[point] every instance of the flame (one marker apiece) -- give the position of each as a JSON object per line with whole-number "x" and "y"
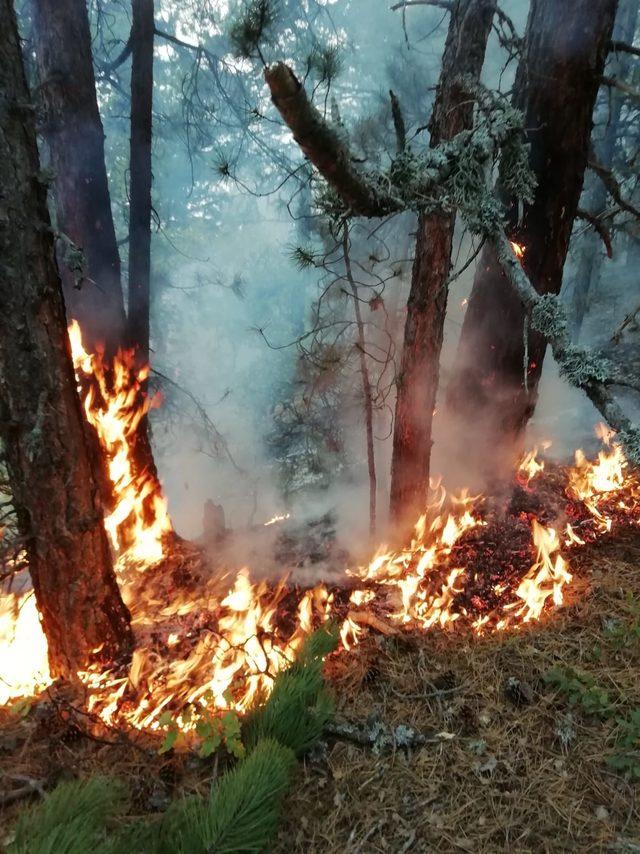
{"x": 221, "y": 645}
{"x": 115, "y": 406}
{"x": 24, "y": 666}
{"x": 530, "y": 466}
{"x": 518, "y": 249}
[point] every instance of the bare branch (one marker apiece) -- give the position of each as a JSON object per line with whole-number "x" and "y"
{"x": 440, "y": 4}
{"x": 623, "y": 47}
{"x": 613, "y": 188}
{"x": 599, "y": 227}
{"x": 615, "y": 83}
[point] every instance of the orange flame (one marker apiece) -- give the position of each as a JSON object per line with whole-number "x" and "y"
{"x": 248, "y": 632}
{"x": 115, "y": 407}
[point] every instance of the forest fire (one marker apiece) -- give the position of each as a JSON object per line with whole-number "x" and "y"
{"x": 220, "y": 646}
{"x": 114, "y": 406}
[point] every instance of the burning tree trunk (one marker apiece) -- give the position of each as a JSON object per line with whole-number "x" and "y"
{"x": 499, "y": 362}
{"x": 591, "y": 256}
{"x": 42, "y": 425}
{"x": 418, "y": 381}
{"x": 73, "y": 131}
{"x": 140, "y": 167}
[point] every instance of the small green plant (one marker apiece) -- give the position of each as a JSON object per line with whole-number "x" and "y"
{"x": 581, "y": 690}
{"x": 627, "y": 755}
{"x": 210, "y": 729}
{"x": 625, "y": 634}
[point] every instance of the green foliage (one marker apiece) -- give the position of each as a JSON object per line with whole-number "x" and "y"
{"x": 581, "y": 690}
{"x": 250, "y": 26}
{"x": 627, "y": 755}
{"x": 303, "y": 257}
{"x": 325, "y": 62}
{"x": 241, "y": 813}
{"x": 71, "y": 820}
{"x": 211, "y": 729}
{"x": 299, "y": 705}
{"x": 625, "y": 634}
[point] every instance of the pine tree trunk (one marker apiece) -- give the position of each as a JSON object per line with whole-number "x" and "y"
{"x": 75, "y": 137}
{"x": 43, "y": 429}
{"x": 417, "y": 383}
{"x": 591, "y": 257}
{"x": 140, "y": 171}
{"x": 556, "y": 87}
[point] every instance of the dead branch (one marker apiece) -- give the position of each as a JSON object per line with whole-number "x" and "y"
{"x": 324, "y": 146}
{"x": 615, "y": 46}
{"x": 440, "y": 4}
{"x": 629, "y": 319}
{"x": 380, "y": 737}
{"x": 366, "y": 618}
{"x": 585, "y": 369}
{"x": 613, "y": 188}
{"x": 599, "y": 227}
{"x": 623, "y": 87}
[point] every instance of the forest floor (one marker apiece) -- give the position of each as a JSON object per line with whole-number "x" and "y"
{"x": 526, "y": 724}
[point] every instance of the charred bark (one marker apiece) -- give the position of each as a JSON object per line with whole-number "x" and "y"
{"x": 556, "y": 86}
{"x": 142, "y": 31}
{"x": 53, "y": 484}
{"x": 73, "y": 132}
{"x": 417, "y": 385}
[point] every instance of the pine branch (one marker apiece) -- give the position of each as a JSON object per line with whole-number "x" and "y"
{"x": 623, "y": 47}
{"x": 323, "y": 145}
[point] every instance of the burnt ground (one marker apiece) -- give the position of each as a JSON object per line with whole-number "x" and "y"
{"x": 516, "y": 766}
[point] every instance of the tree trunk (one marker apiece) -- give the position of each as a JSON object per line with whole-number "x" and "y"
{"x": 73, "y": 131}
{"x": 591, "y": 256}
{"x": 140, "y": 171}
{"x": 495, "y": 380}
{"x": 43, "y": 429}
{"x": 418, "y": 380}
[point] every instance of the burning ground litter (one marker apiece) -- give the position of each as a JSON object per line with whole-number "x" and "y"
{"x": 479, "y": 573}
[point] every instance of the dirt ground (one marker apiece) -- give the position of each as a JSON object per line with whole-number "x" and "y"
{"x": 512, "y": 765}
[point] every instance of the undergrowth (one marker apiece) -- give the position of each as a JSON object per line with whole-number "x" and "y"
{"x": 242, "y": 811}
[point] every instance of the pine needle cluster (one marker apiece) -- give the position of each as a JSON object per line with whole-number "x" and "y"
{"x": 243, "y": 808}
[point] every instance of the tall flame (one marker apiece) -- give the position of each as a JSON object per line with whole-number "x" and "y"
{"x": 114, "y": 406}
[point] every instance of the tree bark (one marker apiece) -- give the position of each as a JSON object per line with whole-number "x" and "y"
{"x": 73, "y": 131}
{"x": 556, "y": 86}
{"x": 591, "y": 257}
{"x": 417, "y": 385}
{"x": 43, "y": 429}
{"x": 140, "y": 182}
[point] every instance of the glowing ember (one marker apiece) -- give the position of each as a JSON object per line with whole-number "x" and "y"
{"x": 518, "y": 249}
{"x": 279, "y": 518}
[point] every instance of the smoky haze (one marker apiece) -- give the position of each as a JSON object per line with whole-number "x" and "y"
{"x": 233, "y": 360}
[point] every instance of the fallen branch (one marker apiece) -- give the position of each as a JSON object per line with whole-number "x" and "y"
{"x": 382, "y": 738}
{"x": 365, "y": 618}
